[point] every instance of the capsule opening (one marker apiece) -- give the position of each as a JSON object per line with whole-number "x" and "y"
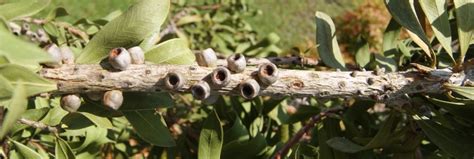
{"x": 248, "y": 91}
{"x": 198, "y": 92}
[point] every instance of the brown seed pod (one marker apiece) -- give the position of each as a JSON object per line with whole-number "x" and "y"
{"x": 113, "y": 99}
{"x": 249, "y": 89}
{"x": 236, "y": 63}
{"x": 174, "y": 81}
{"x": 137, "y": 55}
{"x": 207, "y": 58}
{"x": 267, "y": 73}
{"x": 220, "y": 76}
{"x": 71, "y": 103}
{"x": 120, "y": 58}
{"x": 201, "y": 90}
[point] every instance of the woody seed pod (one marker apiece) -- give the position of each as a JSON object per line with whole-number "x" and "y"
{"x": 120, "y": 58}
{"x": 67, "y": 55}
{"x": 249, "y": 89}
{"x": 267, "y": 73}
{"x": 220, "y": 76}
{"x": 137, "y": 55}
{"x": 207, "y": 58}
{"x": 174, "y": 81}
{"x": 113, "y": 99}
{"x": 71, "y": 103}
{"x": 236, "y": 63}
{"x": 55, "y": 53}
{"x": 201, "y": 90}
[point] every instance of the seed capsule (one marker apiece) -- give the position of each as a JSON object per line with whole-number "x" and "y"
{"x": 207, "y": 58}
{"x": 236, "y": 63}
{"x": 220, "y": 76}
{"x": 120, "y": 58}
{"x": 67, "y": 55}
{"x": 55, "y": 52}
{"x": 267, "y": 73}
{"x": 113, "y": 99}
{"x": 137, "y": 55}
{"x": 201, "y": 90}
{"x": 174, "y": 81}
{"x": 249, "y": 89}
{"x": 71, "y": 103}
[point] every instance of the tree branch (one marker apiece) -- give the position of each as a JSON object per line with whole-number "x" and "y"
{"x": 39, "y": 125}
{"x": 307, "y": 127}
{"x": 299, "y": 83}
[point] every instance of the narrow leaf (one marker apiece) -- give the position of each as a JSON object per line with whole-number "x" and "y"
{"x": 99, "y": 121}
{"x": 20, "y": 52}
{"x": 25, "y": 151}
{"x": 450, "y": 141}
{"x": 174, "y": 51}
{"x": 15, "y": 108}
{"x": 33, "y": 83}
{"x": 129, "y": 29}
{"x": 63, "y": 150}
{"x": 148, "y": 125}
{"x": 326, "y": 39}
{"x": 465, "y": 19}
{"x": 390, "y": 37}
{"x": 402, "y": 11}
{"x": 465, "y": 111}
{"x": 211, "y": 138}
{"x": 20, "y": 9}
{"x": 435, "y": 11}
{"x": 6, "y": 89}
{"x": 467, "y": 92}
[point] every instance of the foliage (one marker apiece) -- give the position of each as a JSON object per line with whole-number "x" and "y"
{"x": 159, "y": 125}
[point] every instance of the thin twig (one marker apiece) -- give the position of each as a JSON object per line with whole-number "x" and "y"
{"x": 297, "y": 137}
{"x": 39, "y": 125}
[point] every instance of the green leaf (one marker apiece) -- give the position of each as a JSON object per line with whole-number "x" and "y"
{"x": 33, "y": 83}
{"x": 328, "y": 48}
{"x": 25, "y": 151}
{"x": 63, "y": 150}
{"x": 6, "y": 89}
{"x": 20, "y": 9}
{"x": 99, "y": 121}
{"x": 467, "y": 92}
{"x": 244, "y": 148}
{"x": 150, "y": 101}
{"x": 128, "y": 30}
{"x": 58, "y": 12}
{"x": 173, "y": 51}
{"x": 385, "y": 62}
{"x": 238, "y": 131}
{"x": 437, "y": 15}
{"x": 344, "y": 145}
{"x": 211, "y": 138}
{"x": 465, "y": 111}
{"x": 20, "y": 52}
{"x": 390, "y": 37}
{"x": 363, "y": 55}
{"x": 16, "y": 107}
{"x": 402, "y": 12}
{"x": 453, "y": 142}
{"x": 465, "y": 19}
{"x": 148, "y": 125}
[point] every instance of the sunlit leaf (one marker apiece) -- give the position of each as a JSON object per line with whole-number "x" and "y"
{"x": 56, "y": 13}
{"x": 33, "y": 83}
{"x": 99, "y": 121}
{"x": 403, "y": 12}
{"x": 128, "y": 30}
{"x": 25, "y": 151}
{"x": 150, "y": 127}
{"x": 390, "y": 37}
{"x": 328, "y": 48}
{"x": 467, "y": 92}
{"x": 6, "y": 89}
{"x": 465, "y": 20}
{"x": 174, "y": 51}
{"x": 20, "y": 52}
{"x": 363, "y": 55}
{"x": 211, "y": 138}
{"x": 63, "y": 150}
{"x": 435, "y": 11}
{"x": 23, "y": 8}
{"x": 16, "y": 107}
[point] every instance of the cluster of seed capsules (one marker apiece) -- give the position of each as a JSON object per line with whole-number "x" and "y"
{"x": 121, "y": 58}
